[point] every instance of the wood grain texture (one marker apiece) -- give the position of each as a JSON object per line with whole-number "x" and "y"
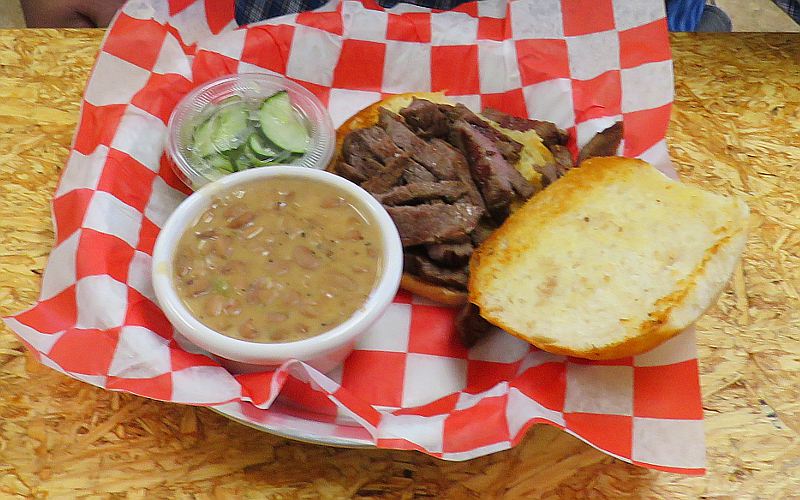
{"x": 735, "y": 129}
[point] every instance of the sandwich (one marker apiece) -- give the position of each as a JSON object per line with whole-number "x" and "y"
{"x": 600, "y": 258}
{"x": 448, "y": 177}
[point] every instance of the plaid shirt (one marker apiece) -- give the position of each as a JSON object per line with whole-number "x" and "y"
{"x": 684, "y": 15}
{"x": 791, "y": 7}
{"x": 250, "y": 11}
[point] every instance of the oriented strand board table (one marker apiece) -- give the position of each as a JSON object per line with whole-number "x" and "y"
{"x": 735, "y": 129}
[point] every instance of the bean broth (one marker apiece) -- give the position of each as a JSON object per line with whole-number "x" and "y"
{"x": 278, "y": 260}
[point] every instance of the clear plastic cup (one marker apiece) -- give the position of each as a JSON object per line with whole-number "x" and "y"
{"x": 252, "y": 89}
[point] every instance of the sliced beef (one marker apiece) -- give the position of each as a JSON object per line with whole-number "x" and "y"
{"x": 426, "y": 154}
{"x": 552, "y": 171}
{"x": 495, "y": 177}
{"x": 350, "y": 172}
{"x": 355, "y": 149}
{"x": 460, "y": 112}
{"x": 507, "y": 146}
{"x": 371, "y": 142}
{"x": 365, "y": 164}
{"x": 421, "y": 266}
{"x": 470, "y": 326}
{"x": 604, "y": 143}
{"x": 482, "y": 231}
{"x": 450, "y": 254}
{"x": 434, "y": 223}
{"x": 414, "y": 172}
{"x": 386, "y": 175}
{"x": 458, "y": 163}
{"x": 563, "y": 158}
{"x": 421, "y": 192}
{"x": 425, "y": 118}
{"x": 549, "y": 133}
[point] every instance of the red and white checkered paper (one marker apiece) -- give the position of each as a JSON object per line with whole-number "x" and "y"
{"x": 409, "y": 384}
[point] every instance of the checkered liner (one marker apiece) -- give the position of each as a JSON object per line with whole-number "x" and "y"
{"x": 408, "y": 384}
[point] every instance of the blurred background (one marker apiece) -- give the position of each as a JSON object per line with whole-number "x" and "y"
{"x": 745, "y": 15}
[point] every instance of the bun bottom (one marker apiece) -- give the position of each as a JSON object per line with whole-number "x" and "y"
{"x": 436, "y": 293}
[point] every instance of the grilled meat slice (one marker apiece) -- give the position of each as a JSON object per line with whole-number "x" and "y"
{"x": 435, "y": 222}
{"x": 604, "y": 143}
{"x": 421, "y": 192}
{"x": 421, "y": 266}
{"x": 425, "y": 119}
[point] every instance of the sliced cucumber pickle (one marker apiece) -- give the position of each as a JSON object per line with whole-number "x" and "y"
{"x": 260, "y": 148}
{"x": 237, "y": 135}
{"x": 203, "y": 137}
{"x": 220, "y": 162}
{"x": 232, "y": 128}
{"x": 281, "y": 125}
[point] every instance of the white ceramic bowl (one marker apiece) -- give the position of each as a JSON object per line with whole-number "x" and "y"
{"x": 324, "y": 351}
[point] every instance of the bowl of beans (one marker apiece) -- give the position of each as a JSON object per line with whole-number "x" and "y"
{"x": 268, "y": 265}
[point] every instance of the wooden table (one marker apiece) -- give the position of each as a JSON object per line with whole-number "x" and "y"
{"x": 735, "y": 129}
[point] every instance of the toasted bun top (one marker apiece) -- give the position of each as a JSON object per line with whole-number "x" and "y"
{"x": 609, "y": 261}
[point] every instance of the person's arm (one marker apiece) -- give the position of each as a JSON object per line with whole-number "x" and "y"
{"x": 69, "y": 13}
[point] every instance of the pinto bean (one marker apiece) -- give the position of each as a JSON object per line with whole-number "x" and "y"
{"x": 260, "y": 283}
{"x": 183, "y": 265}
{"x": 215, "y": 305}
{"x": 292, "y": 298}
{"x": 207, "y": 216}
{"x": 305, "y": 257}
{"x": 242, "y": 219}
{"x": 223, "y": 246}
{"x": 184, "y": 270}
{"x": 276, "y": 317}
{"x": 332, "y": 202}
{"x": 206, "y": 235}
{"x": 252, "y": 231}
{"x": 309, "y": 312}
{"x": 232, "y": 267}
{"x": 198, "y": 268}
{"x": 240, "y": 283}
{"x": 353, "y": 234}
{"x": 233, "y": 308}
{"x": 199, "y": 286}
{"x": 278, "y": 267}
{"x": 342, "y": 281}
{"x": 267, "y": 297}
{"x": 248, "y": 329}
{"x": 203, "y": 247}
{"x": 233, "y": 211}
{"x": 279, "y": 335}
{"x": 287, "y": 196}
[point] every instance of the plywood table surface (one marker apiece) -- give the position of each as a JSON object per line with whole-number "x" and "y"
{"x": 735, "y": 129}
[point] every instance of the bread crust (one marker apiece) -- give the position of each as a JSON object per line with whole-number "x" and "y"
{"x": 670, "y": 315}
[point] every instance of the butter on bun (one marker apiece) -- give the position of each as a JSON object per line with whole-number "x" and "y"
{"x": 609, "y": 261}
{"x": 530, "y": 156}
